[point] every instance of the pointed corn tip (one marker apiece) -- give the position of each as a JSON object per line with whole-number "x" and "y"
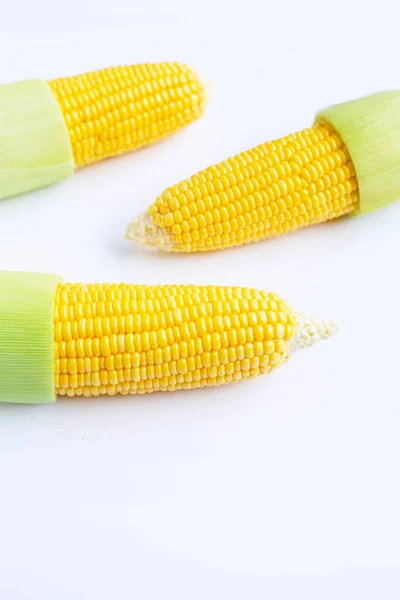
{"x": 309, "y": 331}
{"x": 143, "y": 232}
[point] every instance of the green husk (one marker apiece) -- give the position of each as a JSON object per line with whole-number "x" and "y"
{"x": 27, "y": 337}
{"x": 35, "y": 150}
{"x": 370, "y": 129}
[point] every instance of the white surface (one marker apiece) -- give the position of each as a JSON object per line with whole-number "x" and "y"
{"x": 283, "y": 488}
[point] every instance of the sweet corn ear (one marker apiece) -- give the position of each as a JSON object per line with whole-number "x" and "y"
{"x": 348, "y": 163}
{"x": 300, "y": 180}
{"x": 130, "y": 339}
{"x": 87, "y": 340}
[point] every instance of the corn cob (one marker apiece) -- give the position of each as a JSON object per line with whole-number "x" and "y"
{"x": 127, "y": 339}
{"x": 347, "y": 163}
{"x": 52, "y": 128}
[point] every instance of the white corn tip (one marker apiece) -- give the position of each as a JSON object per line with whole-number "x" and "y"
{"x": 143, "y": 232}
{"x": 309, "y": 331}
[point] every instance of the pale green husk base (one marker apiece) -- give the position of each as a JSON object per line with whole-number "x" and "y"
{"x": 370, "y": 129}
{"x": 27, "y": 337}
{"x": 35, "y": 150}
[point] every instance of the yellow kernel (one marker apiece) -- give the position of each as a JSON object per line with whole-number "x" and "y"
{"x": 129, "y": 342}
{"x": 105, "y": 346}
{"x": 71, "y": 352}
{"x": 248, "y": 350}
{"x": 66, "y": 331}
{"x": 72, "y": 366}
{"x": 269, "y": 332}
{"x": 269, "y": 347}
{"x": 109, "y": 363}
{"x": 275, "y": 358}
{"x": 280, "y": 345}
{"x": 245, "y": 364}
{"x": 182, "y": 366}
{"x": 280, "y": 331}
{"x": 215, "y": 341}
{"x": 206, "y": 341}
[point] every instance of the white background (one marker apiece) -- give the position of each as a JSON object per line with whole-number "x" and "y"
{"x": 286, "y": 487}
